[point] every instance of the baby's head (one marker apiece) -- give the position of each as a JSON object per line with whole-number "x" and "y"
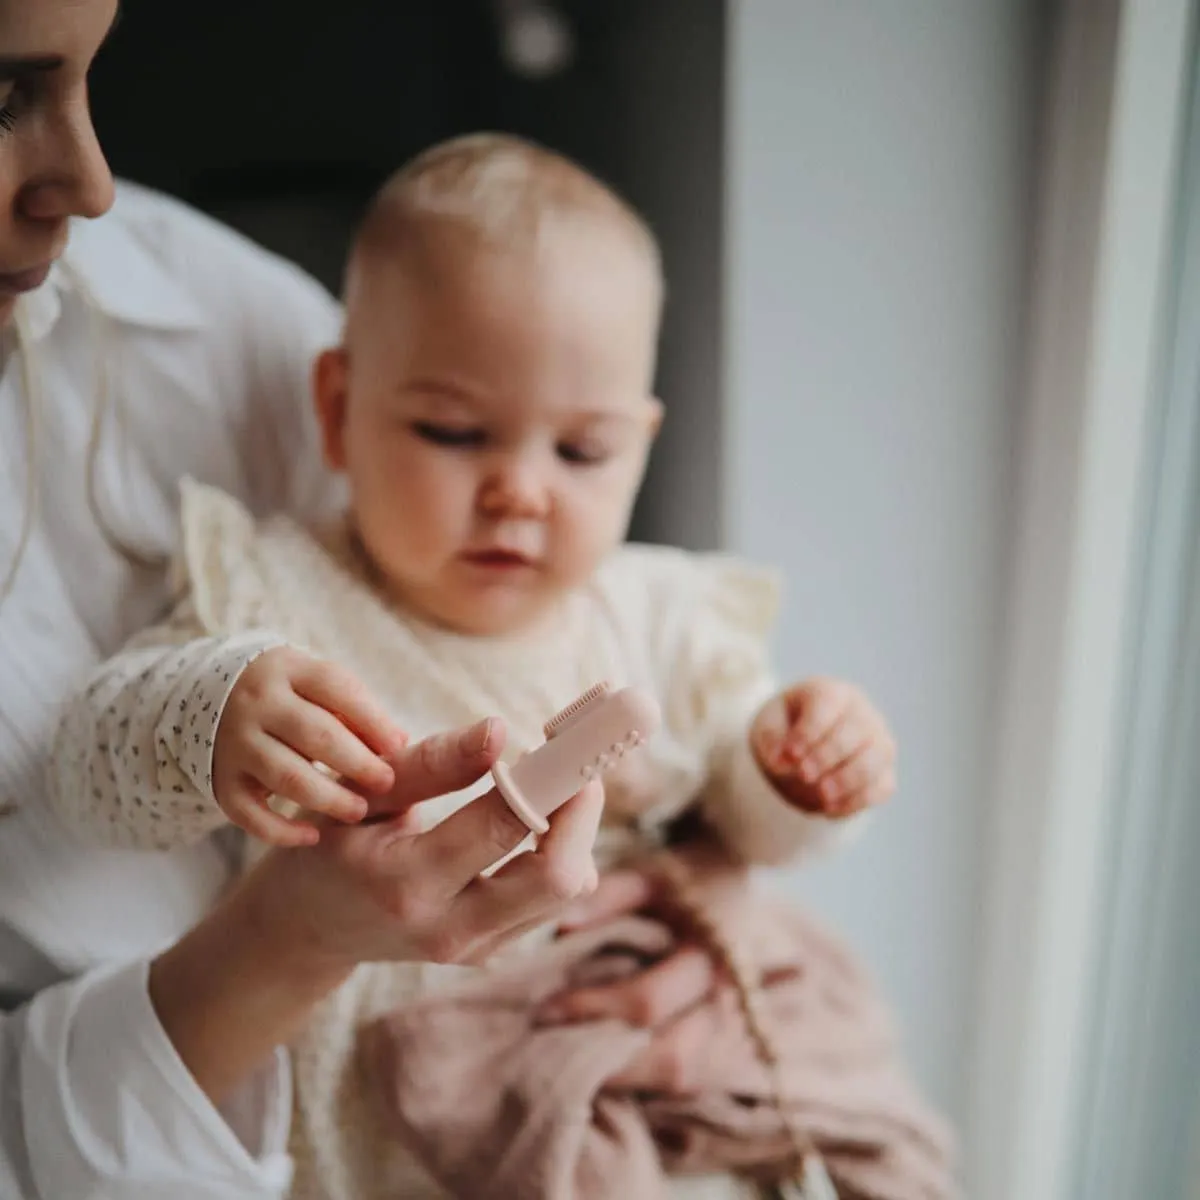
{"x": 491, "y": 402}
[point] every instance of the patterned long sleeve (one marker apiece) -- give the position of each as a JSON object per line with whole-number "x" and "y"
{"x": 132, "y": 760}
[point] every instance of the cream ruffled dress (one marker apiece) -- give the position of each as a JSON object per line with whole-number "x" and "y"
{"x": 690, "y": 628}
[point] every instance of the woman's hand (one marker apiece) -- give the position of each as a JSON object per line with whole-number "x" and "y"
{"x": 385, "y": 890}
{"x": 245, "y": 980}
{"x": 685, "y": 998}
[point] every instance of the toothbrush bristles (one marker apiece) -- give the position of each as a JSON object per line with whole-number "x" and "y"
{"x": 561, "y": 717}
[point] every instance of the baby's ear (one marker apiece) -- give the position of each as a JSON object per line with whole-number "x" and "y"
{"x": 330, "y": 385}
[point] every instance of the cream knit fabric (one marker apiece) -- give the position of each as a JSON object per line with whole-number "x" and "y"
{"x": 690, "y": 628}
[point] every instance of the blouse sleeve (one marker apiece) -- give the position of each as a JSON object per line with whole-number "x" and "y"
{"x": 66, "y": 1133}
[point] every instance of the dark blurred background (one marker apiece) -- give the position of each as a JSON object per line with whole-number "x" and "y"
{"x": 280, "y": 117}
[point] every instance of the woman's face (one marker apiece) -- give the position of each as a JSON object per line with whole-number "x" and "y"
{"x": 51, "y": 166}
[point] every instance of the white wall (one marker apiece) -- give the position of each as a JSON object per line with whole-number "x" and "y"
{"x": 879, "y": 161}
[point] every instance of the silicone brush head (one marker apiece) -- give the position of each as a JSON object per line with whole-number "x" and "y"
{"x": 584, "y": 740}
{"x": 576, "y": 708}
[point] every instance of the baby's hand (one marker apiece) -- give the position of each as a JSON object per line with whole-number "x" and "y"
{"x": 286, "y": 713}
{"x": 825, "y": 748}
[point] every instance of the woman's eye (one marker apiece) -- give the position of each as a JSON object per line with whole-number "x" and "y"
{"x": 449, "y": 435}
{"x": 581, "y": 454}
{"x": 8, "y": 106}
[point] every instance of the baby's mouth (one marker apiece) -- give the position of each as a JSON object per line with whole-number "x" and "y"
{"x": 498, "y": 558}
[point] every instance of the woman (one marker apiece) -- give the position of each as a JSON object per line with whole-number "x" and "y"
{"x": 153, "y": 345}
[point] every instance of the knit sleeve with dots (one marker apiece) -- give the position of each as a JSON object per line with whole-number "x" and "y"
{"x": 132, "y": 760}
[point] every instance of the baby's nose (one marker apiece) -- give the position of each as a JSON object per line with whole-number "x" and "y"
{"x": 515, "y": 489}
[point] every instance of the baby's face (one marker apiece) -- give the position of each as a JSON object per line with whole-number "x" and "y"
{"x": 494, "y": 417}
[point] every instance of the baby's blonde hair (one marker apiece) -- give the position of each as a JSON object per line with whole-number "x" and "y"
{"x": 507, "y": 192}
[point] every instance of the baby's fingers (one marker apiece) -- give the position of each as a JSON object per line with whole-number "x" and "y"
{"x": 855, "y": 773}
{"x": 339, "y": 692}
{"x": 317, "y": 735}
{"x": 814, "y": 710}
{"x": 864, "y": 778}
{"x": 287, "y": 774}
{"x": 248, "y": 810}
{"x": 835, "y": 746}
{"x": 879, "y": 791}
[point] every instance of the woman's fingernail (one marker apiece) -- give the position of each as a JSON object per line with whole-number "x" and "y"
{"x": 475, "y": 740}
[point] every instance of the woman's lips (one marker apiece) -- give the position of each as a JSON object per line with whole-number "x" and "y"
{"x": 16, "y": 282}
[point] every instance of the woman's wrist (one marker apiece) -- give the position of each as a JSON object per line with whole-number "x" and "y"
{"x": 236, "y": 987}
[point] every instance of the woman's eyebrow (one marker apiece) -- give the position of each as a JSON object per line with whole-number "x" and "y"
{"x": 19, "y": 65}
{"x": 35, "y": 64}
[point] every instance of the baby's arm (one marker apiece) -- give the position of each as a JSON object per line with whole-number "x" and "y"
{"x": 132, "y": 761}
{"x": 796, "y": 779}
{"x": 182, "y": 732}
{"x": 772, "y": 755}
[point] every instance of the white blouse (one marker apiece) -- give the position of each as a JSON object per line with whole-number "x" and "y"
{"x": 196, "y": 347}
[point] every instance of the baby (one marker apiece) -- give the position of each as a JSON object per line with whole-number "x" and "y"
{"x": 491, "y": 408}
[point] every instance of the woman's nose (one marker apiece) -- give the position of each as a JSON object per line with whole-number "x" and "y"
{"x": 74, "y": 179}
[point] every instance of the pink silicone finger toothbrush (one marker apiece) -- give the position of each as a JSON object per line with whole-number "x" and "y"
{"x": 582, "y": 742}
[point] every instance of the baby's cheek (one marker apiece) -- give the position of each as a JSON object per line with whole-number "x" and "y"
{"x": 441, "y": 530}
{"x": 578, "y": 543}
{"x": 588, "y": 527}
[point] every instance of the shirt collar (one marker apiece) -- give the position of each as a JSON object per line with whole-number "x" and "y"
{"x": 107, "y": 264}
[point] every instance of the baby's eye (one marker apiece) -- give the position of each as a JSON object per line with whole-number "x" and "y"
{"x": 449, "y": 435}
{"x": 582, "y": 454}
